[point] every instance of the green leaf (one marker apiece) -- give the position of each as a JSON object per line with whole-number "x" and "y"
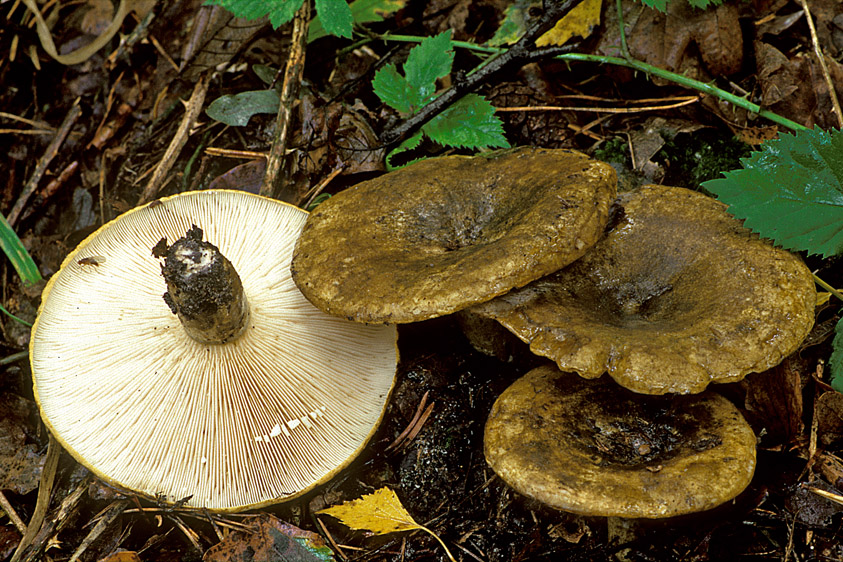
{"x": 514, "y": 23}
{"x": 791, "y": 191}
{"x": 238, "y": 109}
{"x": 279, "y": 11}
{"x": 335, "y": 16}
{"x": 362, "y": 11}
{"x": 429, "y": 60}
{"x": 266, "y": 73}
{"x": 471, "y": 122}
{"x": 393, "y": 89}
{"x": 703, "y": 4}
{"x": 835, "y": 362}
{"x": 17, "y": 254}
{"x": 660, "y": 5}
{"x": 408, "y": 144}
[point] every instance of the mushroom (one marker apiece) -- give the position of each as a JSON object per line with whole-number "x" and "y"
{"x": 445, "y": 233}
{"x": 677, "y": 295}
{"x": 591, "y": 448}
{"x": 259, "y": 406}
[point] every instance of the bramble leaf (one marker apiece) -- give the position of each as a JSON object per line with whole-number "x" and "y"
{"x": 791, "y": 191}
{"x": 429, "y": 60}
{"x": 362, "y": 11}
{"x": 407, "y": 144}
{"x": 661, "y": 5}
{"x": 335, "y": 16}
{"x": 279, "y": 11}
{"x": 470, "y": 123}
{"x": 393, "y": 89}
{"x": 835, "y": 362}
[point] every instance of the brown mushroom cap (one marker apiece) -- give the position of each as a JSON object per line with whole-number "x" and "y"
{"x": 259, "y": 419}
{"x": 676, "y": 296}
{"x": 445, "y": 233}
{"x": 589, "y": 447}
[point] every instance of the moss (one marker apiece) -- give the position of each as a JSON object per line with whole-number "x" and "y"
{"x": 692, "y": 158}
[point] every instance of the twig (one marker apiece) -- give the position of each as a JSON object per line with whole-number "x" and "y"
{"x": 192, "y": 112}
{"x": 521, "y": 52}
{"x": 331, "y": 539}
{"x": 314, "y": 192}
{"x": 113, "y": 511}
{"x": 13, "y": 515}
{"x": 821, "y": 58}
{"x": 278, "y": 157}
{"x": 52, "y": 149}
{"x": 42, "y": 504}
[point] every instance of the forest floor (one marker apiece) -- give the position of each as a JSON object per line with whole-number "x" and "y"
{"x": 84, "y": 142}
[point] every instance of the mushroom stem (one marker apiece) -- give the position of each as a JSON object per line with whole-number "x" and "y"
{"x": 203, "y": 289}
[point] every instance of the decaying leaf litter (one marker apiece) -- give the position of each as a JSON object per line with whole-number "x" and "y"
{"x": 114, "y": 117}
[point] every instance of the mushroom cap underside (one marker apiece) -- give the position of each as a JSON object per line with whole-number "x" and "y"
{"x": 677, "y": 295}
{"x": 589, "y": 447}
{"x": 445, "y": 233}
{"x": 251, "y": 422}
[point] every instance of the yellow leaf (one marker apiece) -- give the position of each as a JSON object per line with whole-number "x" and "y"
{"x": 379, "y": 513}
{"x": 579, "y": 21}
{"x": 822, "y": 297}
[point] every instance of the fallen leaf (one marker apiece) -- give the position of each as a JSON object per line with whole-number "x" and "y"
{"x": 579, "y": 22}
{"x": 270, "y": 540}
{"x": 379, "y": 513}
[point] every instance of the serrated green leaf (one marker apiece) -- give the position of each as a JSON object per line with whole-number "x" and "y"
{"x": 471, "y": 123}
{"x": 408, "y": 144}
{"x": 238, "y": 109}
{"x": 362, "y": 11}
{"x": 835, "y": 362}
{"x": 703, "y": 4}
{"x": 335, "y": 16}
{"x": 279, "y": 11}
{"x": 791, "y": 191}
{"x": 429, "y": 60}
{"x": 660, "y": 5}
{"x": 393, "y": 89}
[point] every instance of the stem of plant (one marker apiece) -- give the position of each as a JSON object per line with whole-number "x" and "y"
{"x": 827, "y": 287}
{"x": 629, "y": 62}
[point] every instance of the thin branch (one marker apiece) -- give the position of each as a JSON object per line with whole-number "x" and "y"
{"x": 521, "y": 52}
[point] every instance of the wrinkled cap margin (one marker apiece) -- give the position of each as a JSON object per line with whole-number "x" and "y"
{"x": 591, "y": 448}
{"x": 445, "y": 233}
{"x": 677, "y": 295}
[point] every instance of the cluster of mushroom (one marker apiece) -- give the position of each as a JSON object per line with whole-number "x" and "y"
{"x": 235, "y": 405}
{"x": 666, "y": 293}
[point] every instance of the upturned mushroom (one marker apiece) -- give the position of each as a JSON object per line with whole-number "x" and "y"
{"x": 446, "y": 233}
{"x": 248, "y": 397}
{"x": 677, "y": 295}
{"x": 591, "y": 448}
